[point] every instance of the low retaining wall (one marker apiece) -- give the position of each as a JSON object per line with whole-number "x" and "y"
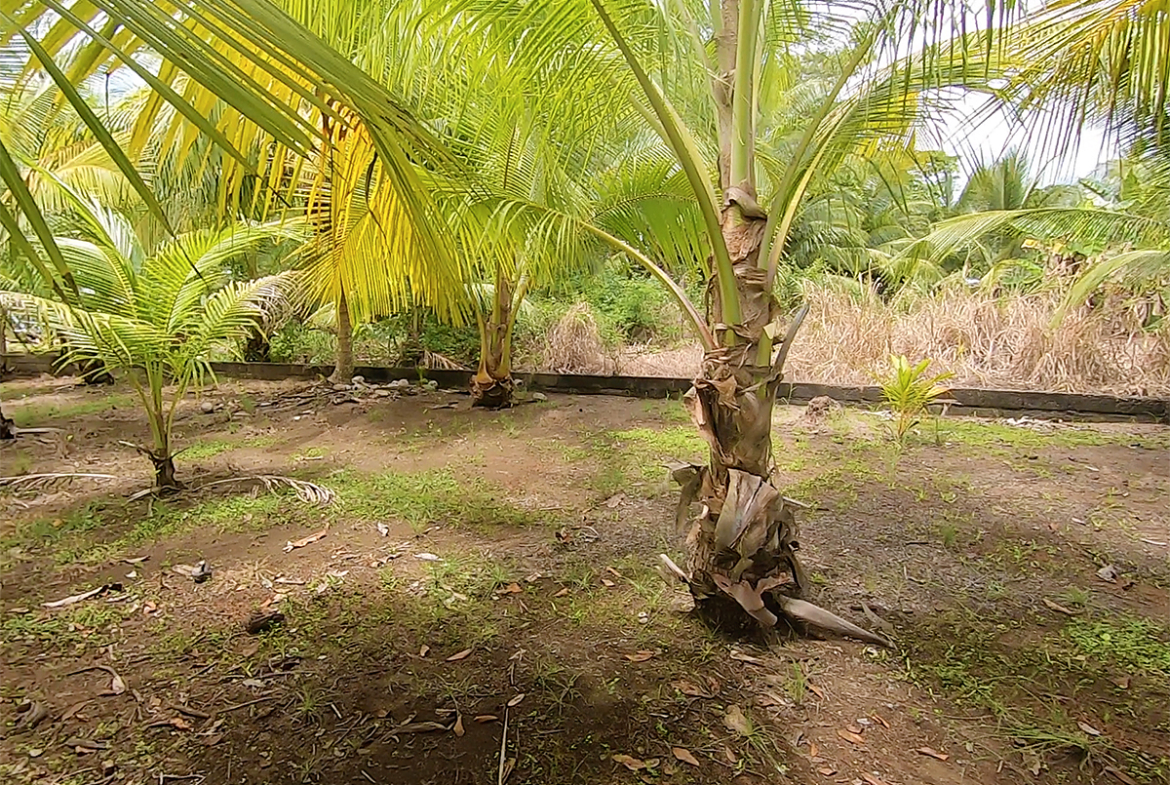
{"x": 969, "y": 401}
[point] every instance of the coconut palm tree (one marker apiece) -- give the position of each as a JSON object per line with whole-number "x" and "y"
{"x": 153, "y": 317}
{"x": 699, "y": 74}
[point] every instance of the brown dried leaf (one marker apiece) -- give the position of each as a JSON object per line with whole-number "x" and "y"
{"x": 1122, "y": 682}
{"x": 418, "y": 727}
{"x": 607, "y": 583}
{"x": 302, "y": 542}
{"x": 1121, "y": 775}
{"x": 684, "y": 755}
{"x": 462, "y": 655}
{"x": 117, "y": 685}
{"x": 640, "y": 656}
{"x": 512, "y": 588}
{"x": 813, "y": 750}
{"x": 930, "y": 753}
{"x": 212, "y": 740}
{"x": 1058, "y": 608}
{"x": 562, "y": 593}
{"x": 687, "y": 688}
{"x": 853, "y": 727}
{"x": 516, "y": 700}
{"x": 737, "y": 721}
{"x": 424, "y": 651}
{"x": 827, "y": 771}
{"x": 880, "y": 721}
{"x": 815, "y": 690}
{"x": 72, "y": 710}
{"x": 727, "y": 753}
{"x": 178, "y": 723}
{"x": 739, "y": 655}
{"x": 614, "y": 572}
{"x": 458, "y": 726}
{"x": 486, "y": 718}
{"x": 631, "y": 763}
{"x": 850, "y": 736}
{"x": 1089, "y": 729}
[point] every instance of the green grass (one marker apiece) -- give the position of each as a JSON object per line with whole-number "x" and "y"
{"x": 1130, "y": 644}
{"x": 46, "y": 413}
{"x": 200, "y": 451}
{"x": 983, "y": 433}
{"x": 424, "y": 498}
{"x": 60, "y": 628}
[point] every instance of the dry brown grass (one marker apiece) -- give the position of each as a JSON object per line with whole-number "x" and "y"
{"x": 574, "y": 344}
{"x": 986, "y": 341}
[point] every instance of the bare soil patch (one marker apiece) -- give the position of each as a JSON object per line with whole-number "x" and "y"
{"x": 474, "y": 560}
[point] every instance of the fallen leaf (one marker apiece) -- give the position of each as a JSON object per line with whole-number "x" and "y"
{"x": 486, "y": 718}
{"x": 117, "y": 685}
{"x": 813, "y": 750}
{"x": 615, "y": 500}
{"x": 178, "y": 723}
{"x": 76, "y": 707}
{"x": 512, "y": 588}
{"x": 827, "y": 771}
{"x": 607, "y": 583}
{"x": 878, "y": 719}
{"x": 1122, "y": 682}
{"x": 614, "y": 572}
{"x": 302, "y": 542}
{"x": 509, "y": 765}
{"x": 631, "y": 763}
{"x": 1121, "y": 775}
{"x": 851, "y": 737}
{"x": 930, "y": 753}
{"x": 873, "y": 780}
{"x": 687, "y": 688}
{"x": 562, "y": 592}
{"x": 684, "y": 755}
{"x": 458, "y": 726}
{"x": 1108, "y": 573}
{"x": 641, "y": 656}
{"x": 76, "y": 598}
{"x": 212, "y": 740}
{"x": 736, "y": 720}
{"x": 251, "y": 649}
{"x": 727, "y": 753}
{"x": 1058, "y": 608}
{"x": 854, "y": 728}
{"x": 516, "y": 700}
{"x": 424, "y": 651}
{"x": 1089, "y": 729}
{"x": 739, "y": 655}
{"x": 462, "y": 655}
{"x": 815, "y": 690}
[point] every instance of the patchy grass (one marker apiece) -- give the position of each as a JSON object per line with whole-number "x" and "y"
{"x": 427, "y": 497}
{"x": 202, "y": 450}
{"x": 44, "y": 413}
{"x": 1128, "y": 644}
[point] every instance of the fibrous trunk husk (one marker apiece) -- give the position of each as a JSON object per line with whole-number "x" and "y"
{"x": 743, "y": 544}
{"x": 490, "y": 392}
{"x": 164, "y": 471}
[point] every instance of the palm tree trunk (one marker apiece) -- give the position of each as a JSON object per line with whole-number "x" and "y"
{"x": 747, "y": 533}
{"x": 164, "y": 471}
{"x": 492, "y": 386}
{"x": 343, "y": 370}
{"x": 7, "y": 427}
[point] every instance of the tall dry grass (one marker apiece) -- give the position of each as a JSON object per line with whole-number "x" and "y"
{"x": 574, "y": 344}
{"x": 986, "y": 341}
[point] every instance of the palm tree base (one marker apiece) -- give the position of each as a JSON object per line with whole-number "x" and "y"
{"x": 7, "y": 427}
{"x": 164, "y": 473}
{"x": 491, "y": 393}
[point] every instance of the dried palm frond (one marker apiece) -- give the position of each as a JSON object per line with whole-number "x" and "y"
{"x": 437, "y": 362}
{"x": 47, "y": 482}
{"x": 306, "y": 491}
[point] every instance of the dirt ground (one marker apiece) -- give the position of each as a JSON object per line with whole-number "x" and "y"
{"x": 484, "y": 605}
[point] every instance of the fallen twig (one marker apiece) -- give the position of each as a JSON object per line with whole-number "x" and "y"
{"x": 85, "y": 595}
{"x": 245, "y": 704}
{"x": 190, "y": 712}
